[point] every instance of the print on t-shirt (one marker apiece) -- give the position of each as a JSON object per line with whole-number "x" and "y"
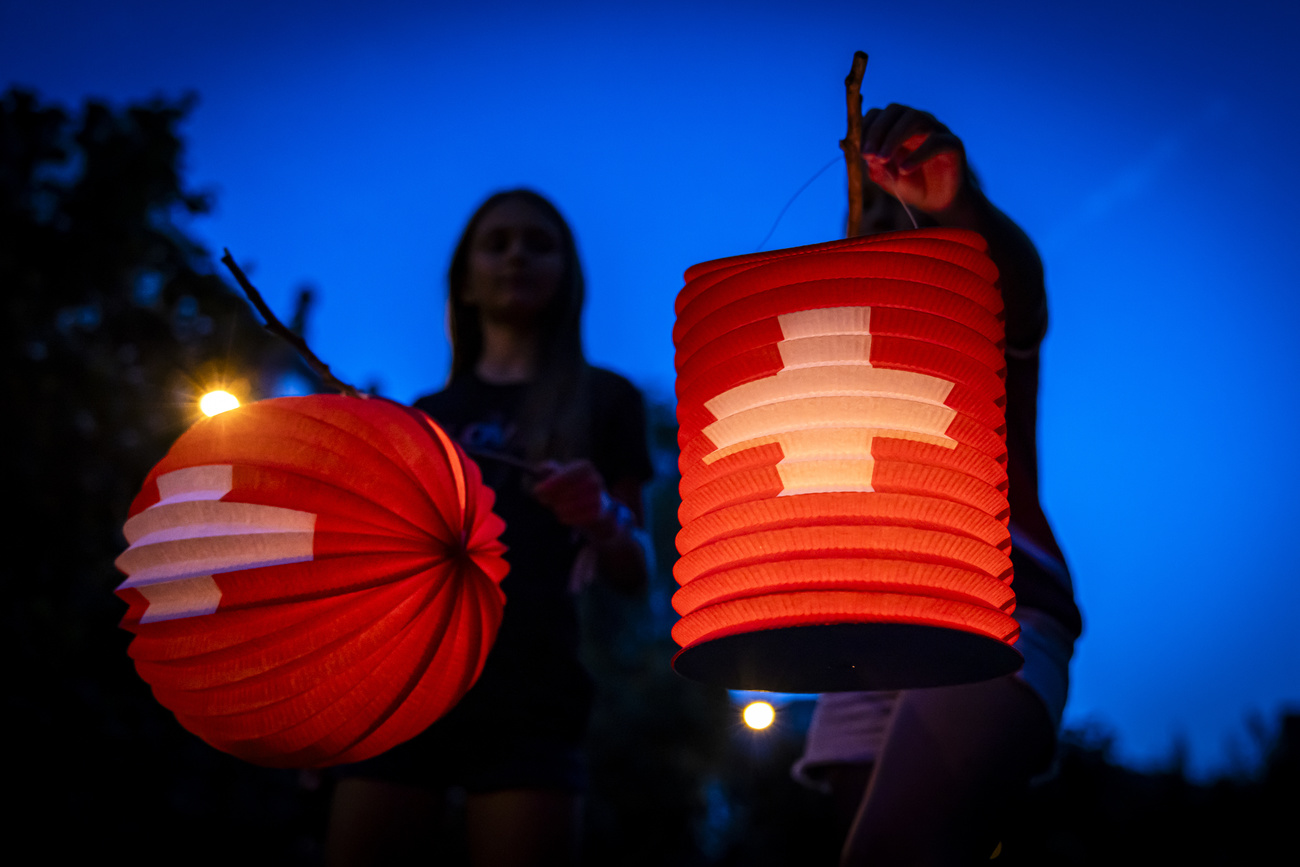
{"x": 492, "y": 435}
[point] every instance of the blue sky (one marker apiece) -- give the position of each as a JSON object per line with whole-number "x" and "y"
{"x": 1143, "y": 145}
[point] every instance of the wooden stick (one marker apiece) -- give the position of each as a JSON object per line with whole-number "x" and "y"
{"x": 852, "y": 144}
{"x": 276, "y": 327}
{"x": 499, "y": 457}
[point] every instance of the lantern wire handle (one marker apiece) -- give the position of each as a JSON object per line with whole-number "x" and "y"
{"x": 851, "y": 144}
{"x": 276, "y": 327}
{"x": 906, "y": 209}
{"x": 501, "y": 458}
{"x": 798, "y": 192}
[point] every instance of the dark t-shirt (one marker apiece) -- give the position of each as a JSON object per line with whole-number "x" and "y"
{"x": 532, "y": 681}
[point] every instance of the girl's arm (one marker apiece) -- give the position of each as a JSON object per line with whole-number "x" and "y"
{"x": 609, "y": 519}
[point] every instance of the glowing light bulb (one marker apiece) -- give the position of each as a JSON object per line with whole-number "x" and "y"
{"x": 215, "y": 402}
{"x": 759, "y": 714}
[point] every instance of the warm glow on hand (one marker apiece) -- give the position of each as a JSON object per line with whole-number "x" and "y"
{"x": 913, "y": 157}
{"x": 574, "y": 491}
{"x": 759, "y": 714}
{"x": 215, "y": 402}
{"x": 931, "y": 186}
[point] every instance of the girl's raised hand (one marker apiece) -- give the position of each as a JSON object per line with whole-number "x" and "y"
{"x": 574, "y": 491}
{"x": 912, "y": 156}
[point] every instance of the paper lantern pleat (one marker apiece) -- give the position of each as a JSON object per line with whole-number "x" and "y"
{"x": 843, "y": 444}
{"x": 742, "y": 326}
{"x": 831, "y": 292}
{"x": 312, "y": 580}
{"x": 843, "y": 457}
{"x": 812, "y": 413}
{"x": 813, "y": 477}
{"x": 707, "y": 407}
{"x": 251, "y": 680}
{"x": 943, "y": 245}
{"x": 364, "y": 717}
{"x": 314, "y": 705}
{"x": 825, "y": 509}
{"x": 831, "y": 350}
{"x": 845, "y": 573}
{"x": 384, "y": 616}
{"x": 844, "y": 540}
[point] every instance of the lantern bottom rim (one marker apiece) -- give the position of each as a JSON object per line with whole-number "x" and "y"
{"x": 843, "y": 657}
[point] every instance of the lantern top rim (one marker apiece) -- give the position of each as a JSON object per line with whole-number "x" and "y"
{"x": 966, "y": 237}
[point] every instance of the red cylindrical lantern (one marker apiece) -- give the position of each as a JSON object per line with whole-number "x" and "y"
{"x": 312, "y": 580}
{"x": 844, "y": 511}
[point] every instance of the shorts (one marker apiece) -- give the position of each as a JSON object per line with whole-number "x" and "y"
{"x": 850, "y": 727}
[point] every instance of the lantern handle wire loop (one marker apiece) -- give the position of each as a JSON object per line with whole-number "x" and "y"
{"x": 906, "y": 209}
{"x": 808, "y": 183}
{"x": 276, "y": 327}
{"x": 502, "y": 458}
{"x": 853, "y": 87}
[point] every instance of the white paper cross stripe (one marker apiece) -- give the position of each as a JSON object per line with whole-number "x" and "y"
{"x": 180, "y": 542}
{"x": 829, "y": 383}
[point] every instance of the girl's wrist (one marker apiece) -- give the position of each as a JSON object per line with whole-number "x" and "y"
{"x": 614, "y": 520}
{"x": 969, "y": 208}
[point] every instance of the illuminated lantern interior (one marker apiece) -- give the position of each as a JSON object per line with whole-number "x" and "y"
{"x": 843, "y": 458}
{"x": 312, "y": 580}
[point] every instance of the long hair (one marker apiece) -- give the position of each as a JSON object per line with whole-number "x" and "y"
{"x": 556, "y": 414}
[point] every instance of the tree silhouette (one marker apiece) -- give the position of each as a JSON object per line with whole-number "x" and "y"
{"x": 114, "y": 322}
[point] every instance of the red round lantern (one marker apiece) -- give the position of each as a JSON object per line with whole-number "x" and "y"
{"x": 312, "y": 580}
{"x": 844, "y": 511}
